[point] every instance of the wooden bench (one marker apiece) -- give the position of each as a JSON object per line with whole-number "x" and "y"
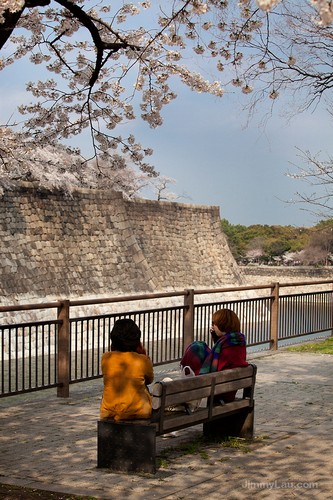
{"x": 130, "y": 446}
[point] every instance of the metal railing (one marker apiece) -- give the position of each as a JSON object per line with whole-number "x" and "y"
{"x": 36, "y": 355}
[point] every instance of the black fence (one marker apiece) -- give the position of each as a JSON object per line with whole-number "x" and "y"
{"x": 42, "y": 354}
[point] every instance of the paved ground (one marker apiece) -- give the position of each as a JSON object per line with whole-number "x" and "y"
{"x": 50, "y": 443}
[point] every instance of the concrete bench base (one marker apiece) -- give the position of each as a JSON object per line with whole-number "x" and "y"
{"x": 126, "y": 446}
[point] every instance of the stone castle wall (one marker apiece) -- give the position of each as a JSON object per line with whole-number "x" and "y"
{"x": 96, "y": 244}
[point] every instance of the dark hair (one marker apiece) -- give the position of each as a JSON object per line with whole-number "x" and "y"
{"x": 125, "y": 335}
{"x": 226, "y": 321}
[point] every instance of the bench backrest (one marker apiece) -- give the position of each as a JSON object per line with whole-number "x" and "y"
{"x": 179, "y": 391}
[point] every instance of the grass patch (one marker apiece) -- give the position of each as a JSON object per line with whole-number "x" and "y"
{"x": 237, "y": 443}
{"x": 321, "y": 347}
{"x": 163, "y": 463}
{"x": 259, "y": 439}
{"x": 200, "y": 445}
{"x": 193, "y": 447}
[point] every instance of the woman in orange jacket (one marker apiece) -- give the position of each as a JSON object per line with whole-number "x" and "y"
{"x": 127, "y": 371}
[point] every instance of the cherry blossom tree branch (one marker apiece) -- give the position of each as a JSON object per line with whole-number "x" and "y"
{"x": 110, "y": 65}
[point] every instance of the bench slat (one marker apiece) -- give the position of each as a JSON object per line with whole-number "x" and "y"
{"x": 176, "y": 421}
{"x": 190, "y": 383}
{"x": 230, "y": 408}
{"x": 200, "y": 393}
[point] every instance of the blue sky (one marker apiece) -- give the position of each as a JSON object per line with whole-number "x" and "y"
{"x": 205, "y": 146}
{"x": 214, "y": 159}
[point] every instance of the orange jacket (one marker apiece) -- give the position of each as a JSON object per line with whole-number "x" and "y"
{"x": 125, "y": 376}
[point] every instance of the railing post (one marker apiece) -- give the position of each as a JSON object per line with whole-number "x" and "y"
{"x": 274, "y": 333}
{"x": 63, "y": 350}
{"x": 332, "y": 316}
{"x": 188, "y": 318}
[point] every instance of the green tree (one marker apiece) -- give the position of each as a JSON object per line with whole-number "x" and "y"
{"x": 261, "y": 243}
{"x": 319, "y": 250}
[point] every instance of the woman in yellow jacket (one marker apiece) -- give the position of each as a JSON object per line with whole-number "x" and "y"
{"x": 127, "y": 371}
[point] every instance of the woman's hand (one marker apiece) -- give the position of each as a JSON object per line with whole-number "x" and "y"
{"x": 214, "y": 336}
